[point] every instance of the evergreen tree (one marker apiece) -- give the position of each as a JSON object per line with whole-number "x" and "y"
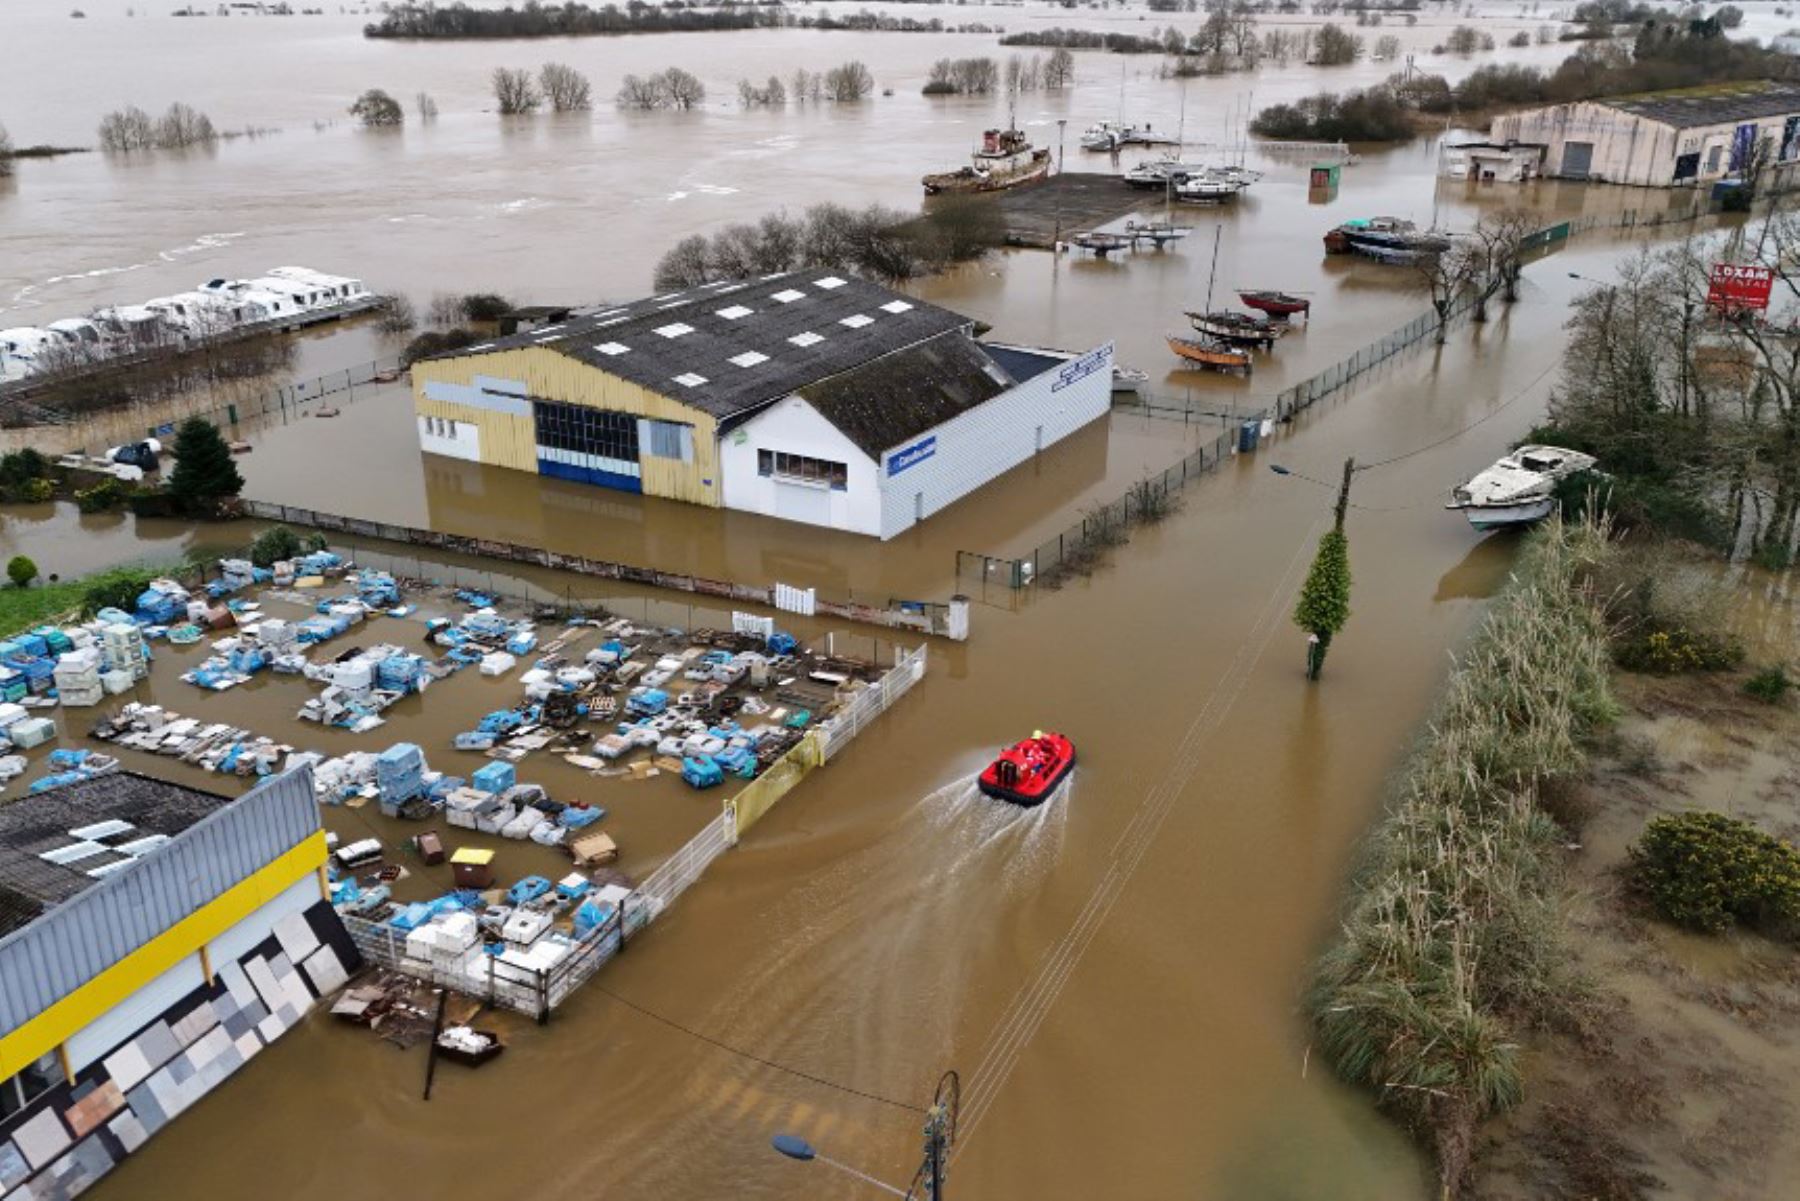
{"x": 1324, "y": 604}
{"x": 204, "y": 471}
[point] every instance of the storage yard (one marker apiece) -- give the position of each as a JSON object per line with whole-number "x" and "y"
{"x": 467, "y": 753}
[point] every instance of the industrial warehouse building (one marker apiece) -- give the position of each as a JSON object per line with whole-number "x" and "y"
{"x": 153, "y": 939}
{"x": 1693, "y": 136}
{"x": 808, "y": 396}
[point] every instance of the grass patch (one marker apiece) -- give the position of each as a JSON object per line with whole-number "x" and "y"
{"x": 25, "y": 608}
{"x": 1451, "y": 938}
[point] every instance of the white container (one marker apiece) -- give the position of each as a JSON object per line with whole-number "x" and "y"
{"x": 525, "y": 926}
{"x": 33, "y": 731}
{"x": 497, "y": 664}
{"x": 354, "y": 676}
{"x": 10, "y": 713}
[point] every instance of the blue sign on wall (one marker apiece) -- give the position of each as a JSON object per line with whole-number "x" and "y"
{"x": 1081, "y": 368}
{"x": 908, "y": 456}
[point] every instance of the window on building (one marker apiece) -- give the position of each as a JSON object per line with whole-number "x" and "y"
{"x": 587, "y": 431}
{"x": 30, "y": 1084}
{"x": 670, "y": 440}
{"x": 803, "y": 469}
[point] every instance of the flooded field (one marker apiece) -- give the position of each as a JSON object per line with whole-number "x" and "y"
{"x": 1114, "y": 975}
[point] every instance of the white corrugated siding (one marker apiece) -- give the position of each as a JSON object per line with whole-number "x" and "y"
{"x": 135, "y": 1012}
{"x": 236, "y": 942}
{"x": 64, "y": 949}
{"x": 993, "y": 438}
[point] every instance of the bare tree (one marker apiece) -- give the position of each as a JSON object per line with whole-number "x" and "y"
{"x": 1497, "y": 257}
{"x": 427, "y": 107}
{"x": 644, "y": 91}
{"x": 849, "y": 82}
{"x": 803, "y": 84}
{"x": 1059, "y": 70}
{"x": 1447, "y": 276}
{"x": 514, "y": 92}
{"x": 683, "y": 90}
{"x": 771, "y": 95}
{"x": 6, "y": 151}
{"x": 128, "y": 128}
{"x": 445, "y": 310}
{"x": 1387, "y": 47}
{"x": 376, "y": 108}
{"x": 182, "y": 126}
{"x": 684, "y": 266}
{"x": 566, "y": 88}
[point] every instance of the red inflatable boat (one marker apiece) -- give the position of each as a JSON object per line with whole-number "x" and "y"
{"x": 1027, "y": 772}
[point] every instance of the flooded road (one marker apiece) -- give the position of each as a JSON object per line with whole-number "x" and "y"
{"x": 1115, "y": 975}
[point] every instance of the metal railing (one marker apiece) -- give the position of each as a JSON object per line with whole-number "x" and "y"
{"x": 1107, "y": 525}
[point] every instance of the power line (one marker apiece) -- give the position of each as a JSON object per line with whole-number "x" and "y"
{"x": 754, "y": 1058}
{"x": 1454, "y": 435}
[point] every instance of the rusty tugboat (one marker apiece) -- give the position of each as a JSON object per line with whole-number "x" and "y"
{"x": 1006, "y": 159}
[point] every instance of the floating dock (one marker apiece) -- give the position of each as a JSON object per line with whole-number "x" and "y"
{"x": 1038, "y": 214}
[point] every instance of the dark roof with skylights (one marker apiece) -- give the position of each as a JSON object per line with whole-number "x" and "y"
{"x": 880, "y": 405}
{"x": 56, "y": 843}
{"x": 1711, "y": 104}
{"x": 729, "y": 349}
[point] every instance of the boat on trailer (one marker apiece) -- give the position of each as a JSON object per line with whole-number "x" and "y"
{"x": 1029, "y": 771}
{"x": 1236, "y": 328}
{"x": 1210, "y": 353}
{"x": 1276, "y": 304}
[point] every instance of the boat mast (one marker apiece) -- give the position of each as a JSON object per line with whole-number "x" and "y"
{"x": 1214, "y": 274}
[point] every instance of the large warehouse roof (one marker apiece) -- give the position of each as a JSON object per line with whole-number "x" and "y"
{"x": 882, "y": 404}
{"x": 57, "y": 843}
{"x": 1714, "y": 104}
{"x": 726, "y": 349}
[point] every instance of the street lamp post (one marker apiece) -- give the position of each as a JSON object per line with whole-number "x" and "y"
{"x": 795, "y": 1147}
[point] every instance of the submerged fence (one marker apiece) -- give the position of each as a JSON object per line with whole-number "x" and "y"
{"x": 949, "y": 620}
{"x": 1108, "y": 525}
{"x": 1310, "y": 391}
{"x": 535, "y": 991}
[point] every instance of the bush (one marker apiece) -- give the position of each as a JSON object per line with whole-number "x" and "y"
{"x": 116, "y": 589}
{"x": 1709, "y": 872}
{"x": 485, "y": 306}
{"x": 1770, "y": 685}
{"x": 21, "y": 571}
{"x": 280, "y": 542}
{"x": 25, "y": 477}
{"x": 104, "y": 497}
{"x": 1668, "y": 652}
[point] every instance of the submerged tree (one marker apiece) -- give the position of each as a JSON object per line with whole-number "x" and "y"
{"x": 514, "y": 92}
{"x": 204, "y": 472}
{"x": 128, "y": 128}
{"x": 1059, "y": 69}
{"x": 375, "y": 108}
{"x": 566, "y": 89}
{"x": 849, "y": 82}
{"x": 6, "y": 150}
{"x": 428, "y": 109}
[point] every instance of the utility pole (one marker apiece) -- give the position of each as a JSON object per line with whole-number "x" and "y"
{"x": 1343, "y": 500}
{"x": 936, "y": 1125}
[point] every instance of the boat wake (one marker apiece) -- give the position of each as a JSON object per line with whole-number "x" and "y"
{"x": 27, "y": 295}
{"x": 868, "y": 968}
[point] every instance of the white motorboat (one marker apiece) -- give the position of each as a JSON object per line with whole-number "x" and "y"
{"x": 1208, "y": 188}
{"x": 1128, "y": 380}
{"x": 1520, "y": 488}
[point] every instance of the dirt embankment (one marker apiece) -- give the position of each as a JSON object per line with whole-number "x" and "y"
{"x": 1684, "y": 1078}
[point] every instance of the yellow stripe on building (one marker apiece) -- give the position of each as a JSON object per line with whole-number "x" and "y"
{"x": 96, "y": 998}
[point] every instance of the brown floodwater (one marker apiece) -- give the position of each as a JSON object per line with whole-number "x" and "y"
{"x": 1116, "y": 975}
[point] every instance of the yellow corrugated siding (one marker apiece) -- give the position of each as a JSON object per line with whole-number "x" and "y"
{"x": 508, "y": 441}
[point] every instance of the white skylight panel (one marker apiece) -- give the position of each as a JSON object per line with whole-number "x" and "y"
{"x": 105, "y": 829}
{"x": 896, "y": 306}
{"x": 73, "y": 853}
{"x": 806, "y": 339}
{"x": 749, "y": 358}
{"x": 690, "y": 380}
{"x": 675, "y": 330}
{"x": 612, "y": 349}
{"x": 788, "y": 296}
{"x": 829, "y": 282}
{"x": 857, "y": 320}
{"x": 735, "y": 313}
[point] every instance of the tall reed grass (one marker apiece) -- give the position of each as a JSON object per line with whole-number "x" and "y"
{"x": 1450, "y": 938}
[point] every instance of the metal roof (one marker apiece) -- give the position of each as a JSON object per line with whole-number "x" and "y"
{"x": 881, "y": 404}
{"x": 62, "y": 841}
{"x": 1714, "y": 104}
{"x": 730, "y": 348}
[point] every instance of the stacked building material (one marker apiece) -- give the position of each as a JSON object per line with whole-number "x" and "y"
{"x": 400, "y": 773}
{"x": 77, "y": 676}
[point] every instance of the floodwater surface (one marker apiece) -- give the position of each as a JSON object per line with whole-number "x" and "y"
{"x": 1116, "y": 975}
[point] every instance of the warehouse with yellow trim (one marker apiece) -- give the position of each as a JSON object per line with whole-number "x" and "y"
{"x": 153, "y": 939}
{"x": 806, "y": 395}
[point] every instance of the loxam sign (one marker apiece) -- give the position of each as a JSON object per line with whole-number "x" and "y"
{"x": 1737, "y": 286}
{"x": 909, "y": 456}
{"x": 1079, "y": 369}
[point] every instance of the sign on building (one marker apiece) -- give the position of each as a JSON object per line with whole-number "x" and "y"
{"x": 1737, "y": 286}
